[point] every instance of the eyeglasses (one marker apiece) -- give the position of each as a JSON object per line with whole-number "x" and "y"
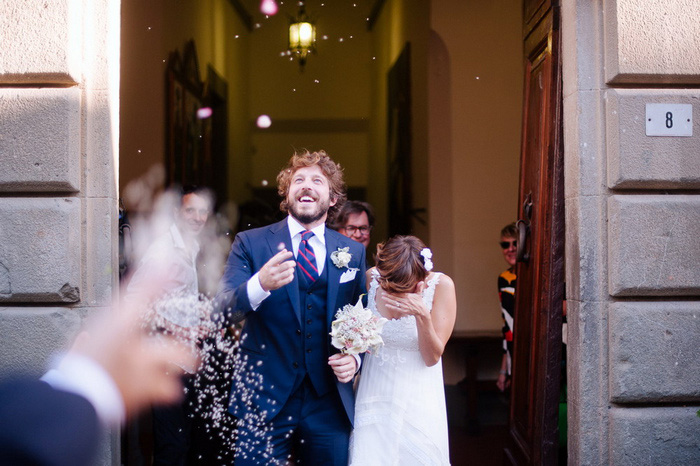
{"x": 507, "y": 244}
{"x": 351, "y": 229}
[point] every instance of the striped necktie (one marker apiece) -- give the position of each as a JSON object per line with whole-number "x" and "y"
{"x": 306, "y": 260}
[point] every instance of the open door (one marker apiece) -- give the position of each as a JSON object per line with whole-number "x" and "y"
{"x": 538, "y": 310}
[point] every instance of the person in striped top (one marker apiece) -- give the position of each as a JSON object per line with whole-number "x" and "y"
{"x": 506, "y": 296}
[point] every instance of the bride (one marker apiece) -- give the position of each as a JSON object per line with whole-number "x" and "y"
{"x": 400, "y": 414}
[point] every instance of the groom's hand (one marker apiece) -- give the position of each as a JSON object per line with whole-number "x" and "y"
{"x": 278, "y": 271}
{"x": 344, "y": 366}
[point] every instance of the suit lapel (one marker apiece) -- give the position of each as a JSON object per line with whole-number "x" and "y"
{"x": 334, "y": 273}
{"x": 279, "y": 233}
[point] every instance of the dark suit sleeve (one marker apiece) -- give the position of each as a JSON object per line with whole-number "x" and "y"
{"x": 231, "y": 303}
{"x": 40, "y": 425}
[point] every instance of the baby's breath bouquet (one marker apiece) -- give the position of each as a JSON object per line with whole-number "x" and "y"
{"x": 356, "y": 330}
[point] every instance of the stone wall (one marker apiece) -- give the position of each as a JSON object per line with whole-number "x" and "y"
{"x": 59, "y": 110}
{"x": 632, "y": 217}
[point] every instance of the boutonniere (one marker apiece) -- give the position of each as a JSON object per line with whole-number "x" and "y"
{"x": 342, "y": 257}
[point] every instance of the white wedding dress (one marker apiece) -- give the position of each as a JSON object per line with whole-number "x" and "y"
{"x": 400, "y": 413}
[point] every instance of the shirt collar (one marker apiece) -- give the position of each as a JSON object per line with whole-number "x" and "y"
{"x": 295, "y": 228}
{"x": 179, "y": 243}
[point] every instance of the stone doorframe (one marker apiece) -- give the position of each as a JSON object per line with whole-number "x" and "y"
{"x": 632, "y": 216}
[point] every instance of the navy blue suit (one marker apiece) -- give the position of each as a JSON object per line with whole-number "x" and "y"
{"x": 286, "y": 341}
{"x": 40, "y": 425}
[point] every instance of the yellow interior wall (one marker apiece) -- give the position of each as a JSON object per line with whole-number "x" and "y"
{"x": 150, "y": 31}
{"x": 335, "y": 84}
{"x": 470, "y": 181}
{"x": 484, "y": 43}
{"x": 400, "y": 21}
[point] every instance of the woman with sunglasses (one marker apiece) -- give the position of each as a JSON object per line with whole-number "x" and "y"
{"x": 506, "y": 295}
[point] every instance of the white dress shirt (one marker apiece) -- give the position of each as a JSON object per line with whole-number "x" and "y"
{"x": 256, "y": 293}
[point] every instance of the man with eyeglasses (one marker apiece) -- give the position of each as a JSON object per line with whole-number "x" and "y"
{"x": 506, "y": 295}
{"x": 355, "y": 220}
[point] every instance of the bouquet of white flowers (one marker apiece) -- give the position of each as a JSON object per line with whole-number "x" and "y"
{"x": 356, "y": 330}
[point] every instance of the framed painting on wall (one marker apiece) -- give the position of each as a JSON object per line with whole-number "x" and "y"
{"x": 188, "y": 136}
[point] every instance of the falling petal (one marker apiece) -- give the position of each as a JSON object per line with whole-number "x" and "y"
{"x": 264, "y": 121}
{"x": 204, "y": 113}
{"x": 269, "y": 7}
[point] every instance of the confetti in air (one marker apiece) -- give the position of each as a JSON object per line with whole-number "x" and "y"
{"x": 221, "y": 368}
{"x": 193, "y": 320}
{"x": 264, "y": 121}
{"x": 269, "y": 7}
{"x": 204, "y": 113}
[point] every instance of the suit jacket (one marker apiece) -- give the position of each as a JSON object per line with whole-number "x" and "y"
{"x": 266, "y": 367}
{"x": 40, "y": 425}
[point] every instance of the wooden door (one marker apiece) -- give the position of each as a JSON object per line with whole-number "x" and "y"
{"x": 538, "y": 312}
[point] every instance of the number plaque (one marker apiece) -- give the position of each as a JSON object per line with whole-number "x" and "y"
{"x": 669, "y": 120}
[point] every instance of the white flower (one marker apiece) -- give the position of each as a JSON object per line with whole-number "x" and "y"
{"x": 342, "y": 257}
{"x": 427, "y": 255}
{"x": 356, "y": 330}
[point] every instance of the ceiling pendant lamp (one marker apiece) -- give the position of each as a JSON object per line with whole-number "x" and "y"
{"x": 302, "y": 36}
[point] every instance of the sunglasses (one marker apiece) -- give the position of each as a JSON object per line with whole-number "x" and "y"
{"x": 507, "y": 244}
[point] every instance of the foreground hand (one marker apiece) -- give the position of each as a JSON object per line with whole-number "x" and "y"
{"x": 406, "y": 304}
{"x": 344, "y": 366}
{"x": 140, "y": 366}
{"x": 278, "y": 271}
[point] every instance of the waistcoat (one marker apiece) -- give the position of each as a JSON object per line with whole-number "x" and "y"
{"x": 314, "y": 331}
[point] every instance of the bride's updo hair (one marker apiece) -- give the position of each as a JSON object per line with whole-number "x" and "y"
{"x": 400, "y": 264}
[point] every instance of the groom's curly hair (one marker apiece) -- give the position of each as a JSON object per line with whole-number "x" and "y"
{"x": 400, "y": 264}
{"x": 333, "y": 171}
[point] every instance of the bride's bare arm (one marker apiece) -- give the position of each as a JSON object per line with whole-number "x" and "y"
{"x": 434, "y": 328}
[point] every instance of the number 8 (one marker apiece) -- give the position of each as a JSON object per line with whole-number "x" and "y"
{"x": 669, "y": 120}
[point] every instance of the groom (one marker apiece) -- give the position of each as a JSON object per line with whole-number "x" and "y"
{"x": 291, "y": 390}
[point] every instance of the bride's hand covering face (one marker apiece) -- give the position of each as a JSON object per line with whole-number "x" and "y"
{"x": 406, "y": 304}
{"x": 404, "y": 269}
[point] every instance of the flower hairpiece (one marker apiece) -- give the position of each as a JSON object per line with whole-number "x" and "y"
{"x": 427, "y": 255}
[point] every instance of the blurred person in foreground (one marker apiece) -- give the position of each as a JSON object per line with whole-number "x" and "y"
{"x": 113, "y": 371}
{"x": 506, "y": 296}
{"x": 177, "y": 310}
{"x": 355, "y": 219}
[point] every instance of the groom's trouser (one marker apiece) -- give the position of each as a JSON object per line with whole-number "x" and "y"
{"x": 314, "y": 427}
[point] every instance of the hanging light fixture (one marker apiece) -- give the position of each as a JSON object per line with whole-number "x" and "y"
{"x": 302, "y": 36}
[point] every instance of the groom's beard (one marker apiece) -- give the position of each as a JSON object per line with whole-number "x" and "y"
{"x": 305, "y": 216}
